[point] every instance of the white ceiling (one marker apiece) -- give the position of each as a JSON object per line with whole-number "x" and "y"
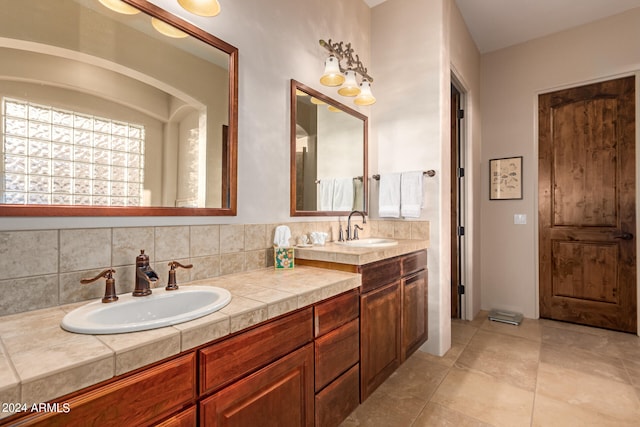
{"x": 495, "y": 24}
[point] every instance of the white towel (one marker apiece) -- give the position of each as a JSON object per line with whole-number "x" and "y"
{"x": 411, "y": 194}
{"x": 389, "y": 195}
{"x": 281, "y": 236}
{"x": 343, "y": 194}
{"x": 326, "y": 195}
{"x": 358, "y": 195}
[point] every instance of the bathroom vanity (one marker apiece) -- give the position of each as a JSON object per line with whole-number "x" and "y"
{"x": 393, "y": 303}
{"x": 300, "y": 348}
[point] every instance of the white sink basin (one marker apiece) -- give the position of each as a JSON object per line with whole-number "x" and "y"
{"x": 162, "y": 308}
{"x": 372, "y": 242}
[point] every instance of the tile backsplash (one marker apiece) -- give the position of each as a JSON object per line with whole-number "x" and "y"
{"x": 43, "y": 268}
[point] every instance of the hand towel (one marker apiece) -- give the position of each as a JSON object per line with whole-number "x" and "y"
{"x": 411, "y": 194}
{"x": 325, "y": 202}
{"x": 389, "y": 195}
{"x": 358, "y": 195}
{"x": 282, "y": 236}
{"x": 343, "y": 194}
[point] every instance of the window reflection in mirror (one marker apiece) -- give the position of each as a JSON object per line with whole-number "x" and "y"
{"x": 328, "y": 155}
{"x": 96, "y": 113}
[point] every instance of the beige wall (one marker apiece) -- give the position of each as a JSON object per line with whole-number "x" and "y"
{"x": 415, "y": 46}
{"x": 512, "y": 78}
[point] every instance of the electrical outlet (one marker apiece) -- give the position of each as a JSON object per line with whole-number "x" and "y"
{"x": 520, "y": 219}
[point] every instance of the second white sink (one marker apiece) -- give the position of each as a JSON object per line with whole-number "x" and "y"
{"x": 162, "y": 308}
{"x": 372, "y": 242}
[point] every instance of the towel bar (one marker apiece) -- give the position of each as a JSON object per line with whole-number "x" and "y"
{"x": 430, "y": 173}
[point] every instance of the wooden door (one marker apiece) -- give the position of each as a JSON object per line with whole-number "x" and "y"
{"x": 380, "y": 339}
{"x": 587, "y": 205}
{"x": 456, "y": 219}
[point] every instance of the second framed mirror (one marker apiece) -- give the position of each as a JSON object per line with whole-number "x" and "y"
{"x": 328, "y": 155}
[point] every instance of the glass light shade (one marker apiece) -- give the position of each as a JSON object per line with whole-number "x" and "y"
{"x": 332, "y": 75}
{"x": 300, "y": 93}
{"x": 350, "y": 85}
{"x": 333, "y": 109}
{"x": 317, "y": 101}
{"x": 201, "y": 7}
{"x": 167, "y": 30}
{"x": 365, "y": 97}
{"x": 120, "y": 7}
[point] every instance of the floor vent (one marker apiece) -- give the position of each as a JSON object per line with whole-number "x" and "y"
{"x": 505, "y": 317}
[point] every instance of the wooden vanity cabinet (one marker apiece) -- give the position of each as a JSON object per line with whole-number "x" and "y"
{"x": 301, "y": 369}
{"x": 393, "y": 316}
{"x": 337, "y": 356}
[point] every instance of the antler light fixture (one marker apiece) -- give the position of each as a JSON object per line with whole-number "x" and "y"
{"x": 337, "y": 74}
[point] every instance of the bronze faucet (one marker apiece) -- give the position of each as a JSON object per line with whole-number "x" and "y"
{"x": 145, "y": 276}
{"x": 110, "y": 289}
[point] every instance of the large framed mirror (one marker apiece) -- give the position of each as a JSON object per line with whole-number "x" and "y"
{"x": 113, "y": 114}
{"x": 328, "y": 155}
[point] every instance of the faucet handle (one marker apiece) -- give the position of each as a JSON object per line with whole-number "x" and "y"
{"x": 110, "y": 288}
{"x": 356, "y": 227}
{"x": 172, "y": 284}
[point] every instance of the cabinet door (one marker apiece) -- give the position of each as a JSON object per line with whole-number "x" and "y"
{"x": 278, "y": 395}
{"x": 380, "y": 339}
{"x": 414, "y": 312}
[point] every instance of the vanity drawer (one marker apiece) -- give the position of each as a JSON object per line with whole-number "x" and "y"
{"x": 139, "y": 399}
{"x": 337, "y": 311}
{"x": 231, "y": 359}
{"x": 379, "y": 273}
{"x": 414, "y": 262}
{"x": 336, "y": 352}
{"x": 338, "y": 399}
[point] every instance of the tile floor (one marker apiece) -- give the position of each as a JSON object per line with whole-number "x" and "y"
{"x": 541, "y": 373}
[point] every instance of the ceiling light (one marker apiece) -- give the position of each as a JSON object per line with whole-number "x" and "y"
{"x": 120, "y": 7}
{"x": 167, "y": 29}
{"x": 201, "y": 7}
{"x": 335, "y": 74}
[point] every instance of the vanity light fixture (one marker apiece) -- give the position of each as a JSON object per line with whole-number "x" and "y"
{"x": 201, "y": 7}
{"x": 335, "y": 74}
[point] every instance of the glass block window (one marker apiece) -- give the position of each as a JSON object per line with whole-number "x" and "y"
{"x": 60, "y": 157}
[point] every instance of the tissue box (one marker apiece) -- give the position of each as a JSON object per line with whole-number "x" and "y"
{"x": 283, "y": 257}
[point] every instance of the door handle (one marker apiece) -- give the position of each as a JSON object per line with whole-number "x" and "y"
{"x": 624, "y": 236}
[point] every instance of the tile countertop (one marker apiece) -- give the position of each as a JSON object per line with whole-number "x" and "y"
{"x": 39, "y": 361}
{"x": 332, "y": 252}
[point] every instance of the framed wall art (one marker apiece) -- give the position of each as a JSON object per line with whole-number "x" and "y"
{"x": 505, "y": 178}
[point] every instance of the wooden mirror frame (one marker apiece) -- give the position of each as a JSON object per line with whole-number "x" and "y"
{"x": 365, "y": 121}
{"x": 230, "y": 163}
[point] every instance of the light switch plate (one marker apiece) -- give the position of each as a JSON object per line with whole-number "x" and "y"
{"x": 520, "y": 219}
